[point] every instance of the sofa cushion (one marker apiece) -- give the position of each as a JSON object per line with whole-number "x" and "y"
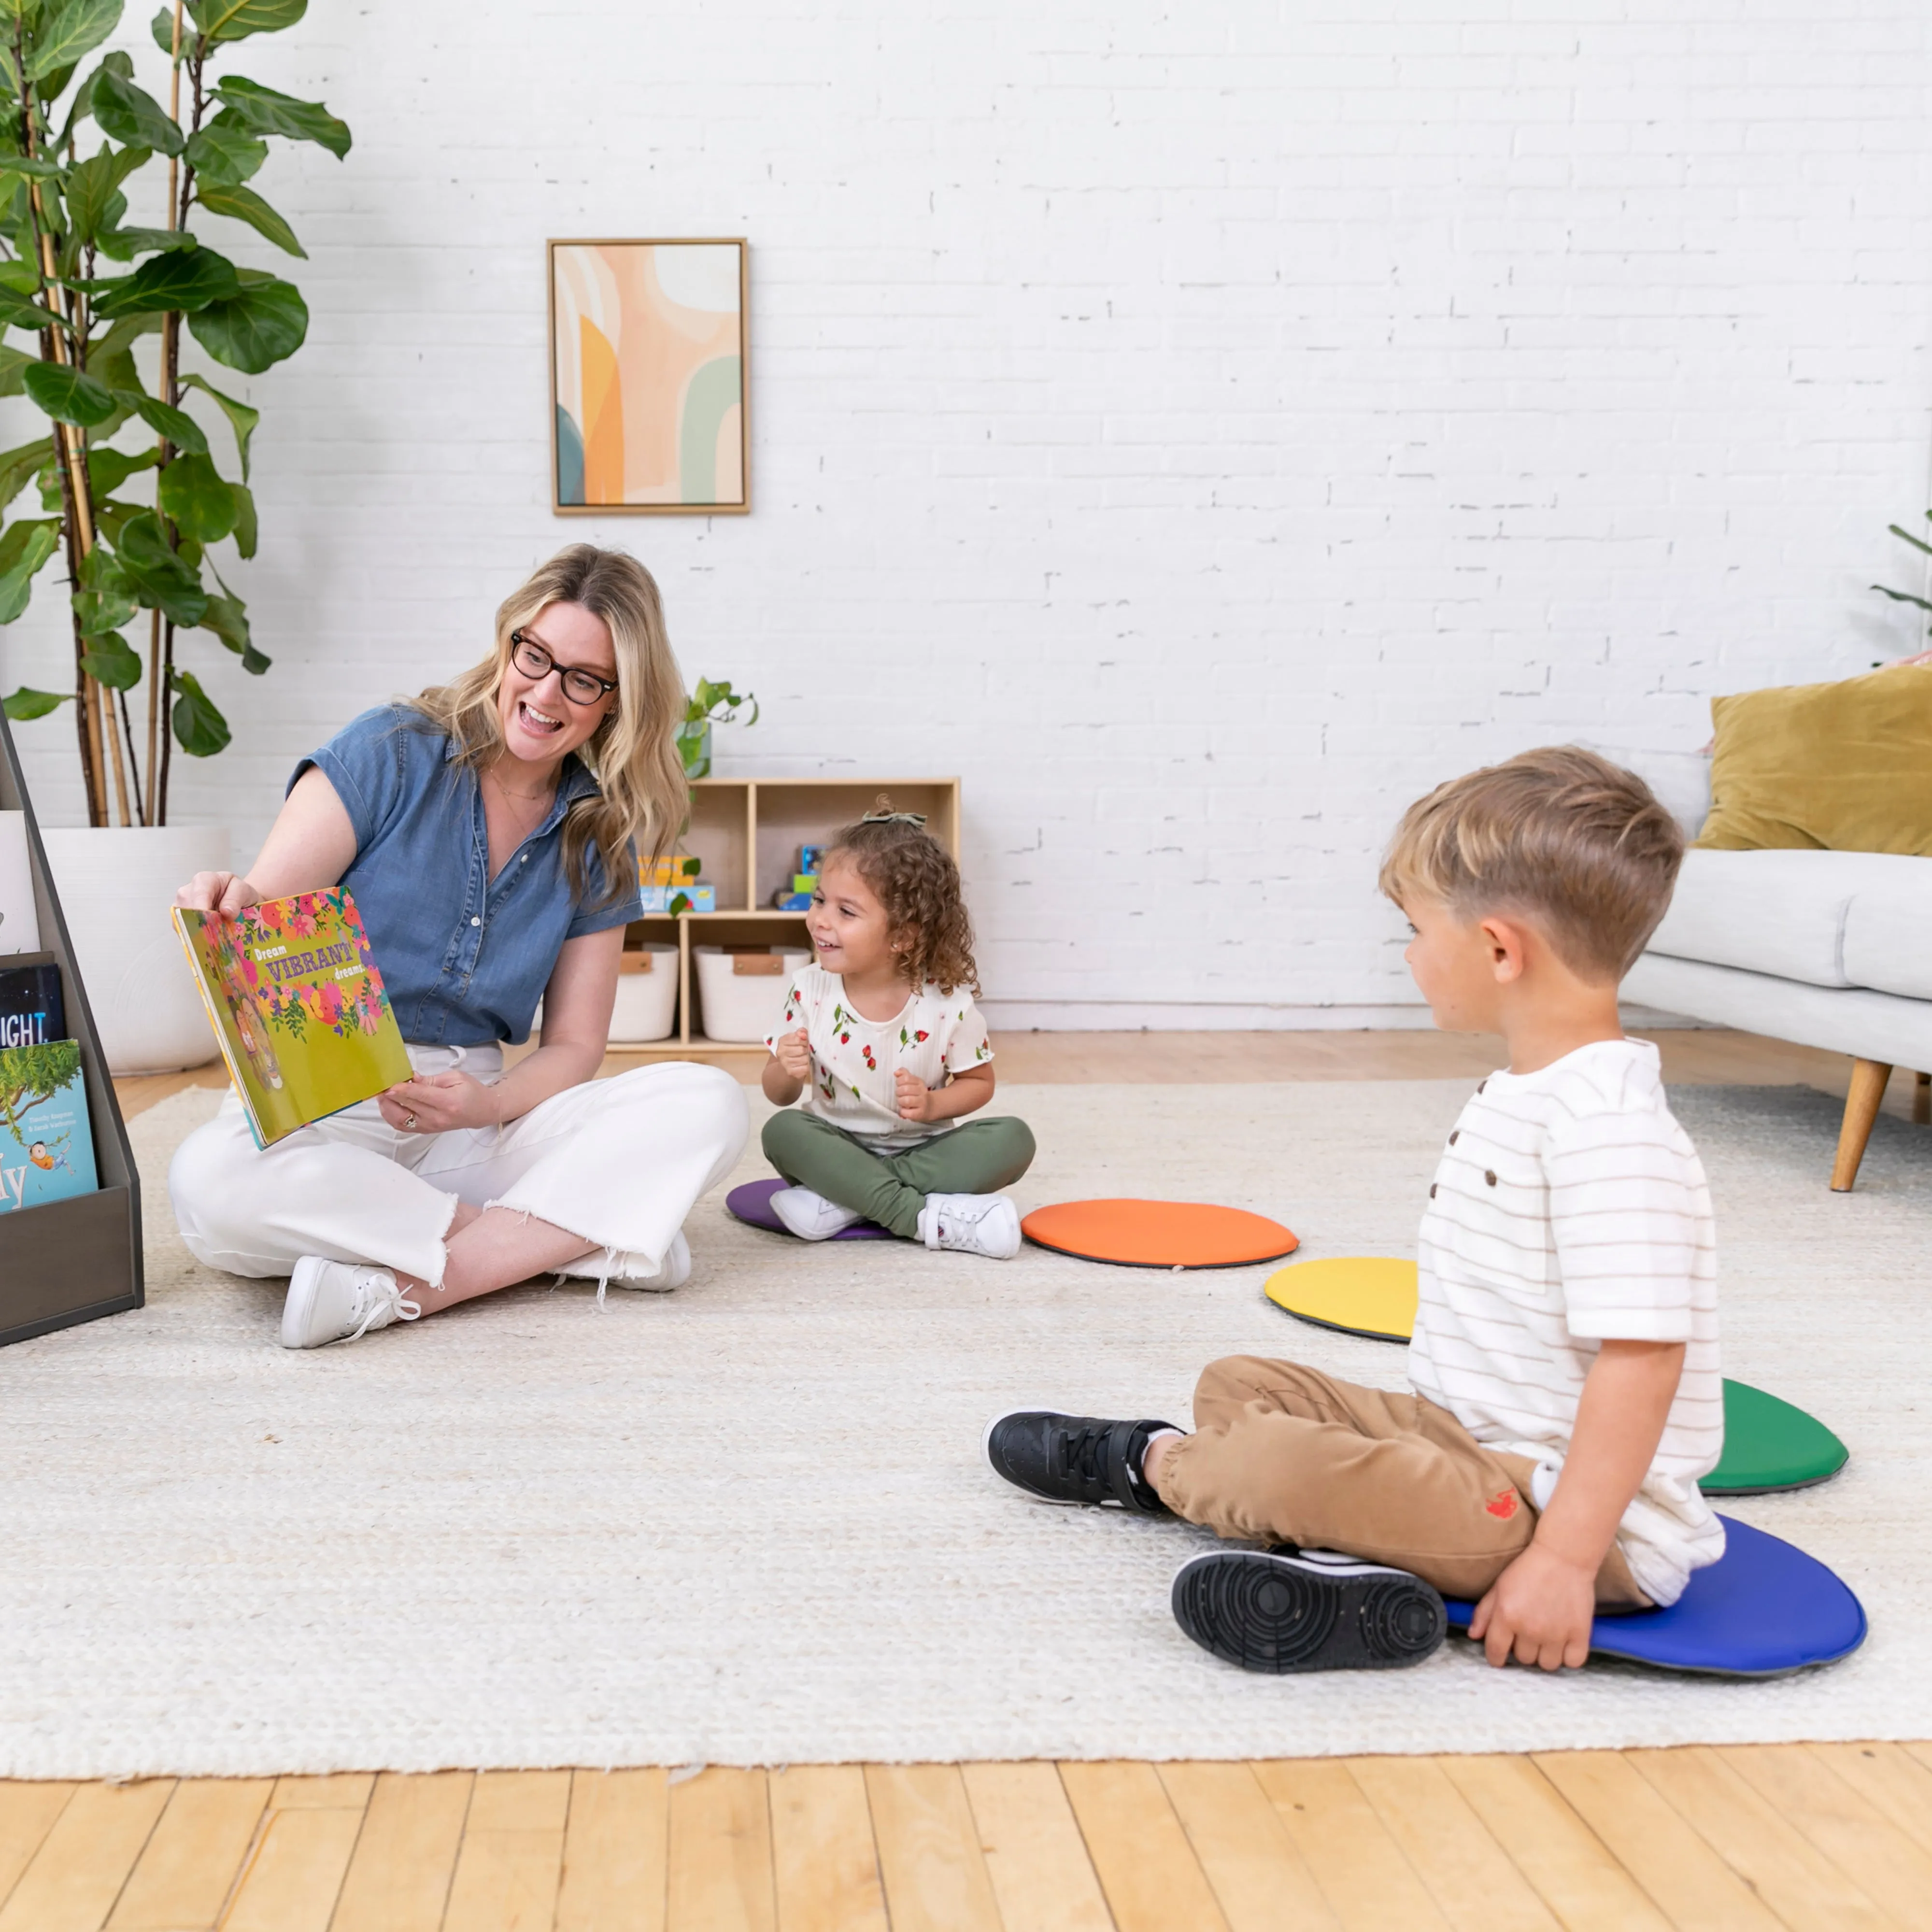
{"x": 1846, "y": 766}
{"x": 1888, "y": 936}
{"x": 1788, "y": 913}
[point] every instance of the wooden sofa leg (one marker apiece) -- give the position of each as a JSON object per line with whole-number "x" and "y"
{"x": 1921, "y": 1101}
{"x": 1861, "y": 1104}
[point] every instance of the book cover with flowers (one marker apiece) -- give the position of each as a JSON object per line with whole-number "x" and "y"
{"x": 298, "y": 1007}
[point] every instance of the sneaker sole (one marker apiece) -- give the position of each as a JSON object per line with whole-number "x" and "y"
{"x": 1264, "y": 1612}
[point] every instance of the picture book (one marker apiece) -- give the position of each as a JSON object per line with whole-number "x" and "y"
{"x": 46, "y": 1143}
{"x": 298, "y": 1007}
{"x": 20, "y": 923}
{"x": 30, "y": 1010}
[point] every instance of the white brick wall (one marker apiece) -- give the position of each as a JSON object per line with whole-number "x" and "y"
{"x": 1201, "y": 427}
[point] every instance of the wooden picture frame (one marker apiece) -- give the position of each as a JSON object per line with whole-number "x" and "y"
{"x": 647, "y": 419}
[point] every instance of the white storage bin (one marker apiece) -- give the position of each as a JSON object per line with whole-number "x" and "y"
{"x": 735, "y": 1004}
{"x": 646, "y": 1006}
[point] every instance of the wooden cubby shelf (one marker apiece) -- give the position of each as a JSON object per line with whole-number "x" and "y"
{"x": 747, "y": 832}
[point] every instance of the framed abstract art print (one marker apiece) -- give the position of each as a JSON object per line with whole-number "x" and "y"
{"x": 647, "y": 378}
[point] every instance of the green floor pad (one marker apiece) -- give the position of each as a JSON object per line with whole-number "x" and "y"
{"x": 1768, "y": 1445}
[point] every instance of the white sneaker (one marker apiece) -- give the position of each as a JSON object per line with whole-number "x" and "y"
{"x": 673, "y": 1271}
{"x": 339, "y": 1301}
{"x": 973, "y": 1224}
{"x": 810, "y": 1216}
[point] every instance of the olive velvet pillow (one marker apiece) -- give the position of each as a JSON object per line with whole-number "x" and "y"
{"x": 1846, "y": 767}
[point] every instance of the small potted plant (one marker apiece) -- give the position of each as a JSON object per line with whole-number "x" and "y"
{"x": 713, "y": 703}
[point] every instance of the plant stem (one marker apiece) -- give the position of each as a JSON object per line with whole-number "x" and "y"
{"x": 158, "y": 692}
{"x": 77, "y": 519}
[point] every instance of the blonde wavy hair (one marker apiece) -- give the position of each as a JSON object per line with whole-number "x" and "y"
{"x": 641, "y": 794}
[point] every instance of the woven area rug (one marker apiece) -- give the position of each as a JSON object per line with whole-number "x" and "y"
{"x": 749, "y": 1523}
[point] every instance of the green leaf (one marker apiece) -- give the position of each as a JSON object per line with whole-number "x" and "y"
{"x": 67, "y": 395}
{"x": 107, "y": 470}
{"x": 92, "y": 186}
{"x": 25, "y": 547}
{"x": 221, "y": 20}
{"x": 223, "y": 152}
{"x": 74, "y": 30}
{"x": 244, "y": 204}
{"x": 123, "y": 245}
{"x": 1902, "y": 597}
{"x": 242, "y": 419}
{"x": 35, "y": 167}
{"x": 124, "y": 113}
{"x": 158, "y": 577}
{"x": 19, "y": 467}
{"x": 256, "y": 330}
{"x": 13, "y": 364}
{"x": 199, "y": 729}
{"x": 27, "y": 703}
{"x": 179, "y": 427}
{"x": 245, "y": 519}
{"x": 266, "y": 112}
{"x": 82, "y": 104}
{"x": 186, "y": 279}
{"x": 111, "y": 660}
{"x": 193, "y": 498}
{"x": 162, "y": 26}
{"x": 110, "y": 602}
{"x": 228, "y": 618}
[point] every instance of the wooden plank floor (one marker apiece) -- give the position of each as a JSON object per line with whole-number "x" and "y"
{"x": 1801, "y": 1836}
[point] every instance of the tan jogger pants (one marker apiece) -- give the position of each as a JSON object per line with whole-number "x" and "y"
{"x": 1283, "y": 1453}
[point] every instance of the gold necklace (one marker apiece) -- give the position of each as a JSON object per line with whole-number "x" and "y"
{"x": 540, "y": 799}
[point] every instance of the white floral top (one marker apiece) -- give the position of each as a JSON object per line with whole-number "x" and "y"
{"x": 934, "y": 1035}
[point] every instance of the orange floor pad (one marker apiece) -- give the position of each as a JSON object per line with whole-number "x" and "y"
{"x": 1159, "y": 1233}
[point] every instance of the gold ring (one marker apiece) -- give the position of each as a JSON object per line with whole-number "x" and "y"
{"x": 408, "y": 1120}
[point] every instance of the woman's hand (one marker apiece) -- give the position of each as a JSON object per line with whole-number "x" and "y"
{"x": 433, "y": 1103}
{"x": 227, "y": 893}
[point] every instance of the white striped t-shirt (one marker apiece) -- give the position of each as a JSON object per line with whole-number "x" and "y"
{"x": 1570, "y": 1208}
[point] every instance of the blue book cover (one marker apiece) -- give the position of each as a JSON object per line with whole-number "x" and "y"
{"x": 46, "y": 1144}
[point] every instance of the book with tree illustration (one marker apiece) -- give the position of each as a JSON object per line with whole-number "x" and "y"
{"x": 298, "y": 1007}
{"x": 46, "y": 1144}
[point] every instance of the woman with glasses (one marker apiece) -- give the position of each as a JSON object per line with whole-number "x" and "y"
{"x": 488, "y": 830}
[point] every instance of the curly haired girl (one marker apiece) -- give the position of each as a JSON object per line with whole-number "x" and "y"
{"x": 884, "y": 1051}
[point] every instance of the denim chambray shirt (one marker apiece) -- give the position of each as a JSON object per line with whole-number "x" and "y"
{"x": 465, "y": 957}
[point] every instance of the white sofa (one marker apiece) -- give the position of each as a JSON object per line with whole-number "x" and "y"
{"x": 1829, "y": 949}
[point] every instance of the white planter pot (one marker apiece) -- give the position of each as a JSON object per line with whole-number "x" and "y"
{"x": 117, "y": 887}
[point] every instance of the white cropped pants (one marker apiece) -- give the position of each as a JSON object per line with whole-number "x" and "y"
{"x": 620, "y": 1162}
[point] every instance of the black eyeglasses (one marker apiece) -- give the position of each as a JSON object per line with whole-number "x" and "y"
{"x": 534, "y": 660}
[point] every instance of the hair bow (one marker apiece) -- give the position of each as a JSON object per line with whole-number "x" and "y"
{"x": 917, "y": 819}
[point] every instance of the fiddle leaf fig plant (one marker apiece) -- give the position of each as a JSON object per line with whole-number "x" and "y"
{"x": 133, "y": 490}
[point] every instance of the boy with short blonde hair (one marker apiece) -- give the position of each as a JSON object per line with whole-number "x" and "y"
{"x": 1564, "y": 1364}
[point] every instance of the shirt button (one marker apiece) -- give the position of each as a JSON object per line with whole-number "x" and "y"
{"x": 475, "y": 921}
{"x": 1432, "y": 1190}
{"x": 1489, "y": 1175}
{"x": 1452, "y": 1138}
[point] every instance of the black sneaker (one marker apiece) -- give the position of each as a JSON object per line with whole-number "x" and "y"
{"x": 1074, "y": 1459}
{"x": 1306, "y": 1609}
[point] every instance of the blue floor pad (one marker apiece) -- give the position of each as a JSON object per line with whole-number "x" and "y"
{"x": 1762, "y": 1608}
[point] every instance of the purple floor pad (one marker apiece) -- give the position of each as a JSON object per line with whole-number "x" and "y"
{"x": 752, "y": 1204}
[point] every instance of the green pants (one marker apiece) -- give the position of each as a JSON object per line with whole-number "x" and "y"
{"x": 979, "y": 1157}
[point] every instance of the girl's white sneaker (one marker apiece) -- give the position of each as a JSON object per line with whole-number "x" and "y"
{"x": 971, "y": 1224}
{"x": 810, "y": 1216}
{"x": 339, "y": 1301}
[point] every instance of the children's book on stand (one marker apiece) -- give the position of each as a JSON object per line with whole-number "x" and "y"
{"x": 297, "y": 1003}
{"x": 46, "y": 1139}
{"x": 31, "y": 1011}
